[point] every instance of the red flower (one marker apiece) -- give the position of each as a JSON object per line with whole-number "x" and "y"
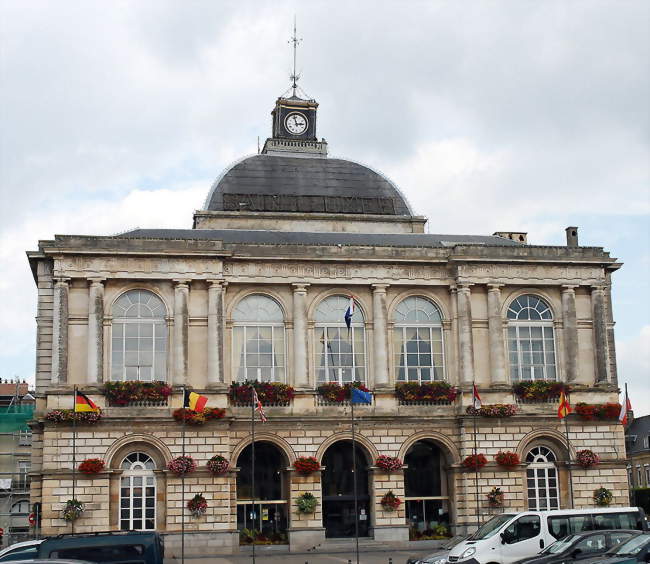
{"x": 91, "y": 466}
{"x": 306, "y": 465}
{"x": 508, "y": 459}
{"x": 475, "y": 461}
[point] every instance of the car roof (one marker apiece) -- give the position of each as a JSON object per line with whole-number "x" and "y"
{"x": 33, "y": 542}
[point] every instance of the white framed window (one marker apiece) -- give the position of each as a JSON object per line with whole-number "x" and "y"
{"x": 258, "y": 340}
{"x": 647, "y": 475}
{"x": 138, "y": 493}
{"x": 340, "y": 352}
{"x": 139, "y": 337}
{"x": 542, "y": 480}
{"x": 646, "y": 441}
{"x": 418, "y": 342}
{"x": 531, "y": 340}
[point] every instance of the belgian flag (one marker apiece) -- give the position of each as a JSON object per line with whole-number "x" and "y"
{"x": 82, "y": 403}
{"x": 194, "y": 401}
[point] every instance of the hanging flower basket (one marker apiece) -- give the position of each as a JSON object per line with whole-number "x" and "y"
{"x": 72, "y": 510}
{"x": 198, "y": 505}
{"x": 120, "y": 394}
{"x": 495, "y": 497}
{"x": 494, "y": 410}
{"x": 92, "y": 466}
{"x": 603, "y": 497}
{"x": 333, "y": 392}
{"x": 182, "y": 465}
{"x": 67, "y": 416}
{"x": 306, "y": 503}
{"x": 388, "y": 463}
{"x": 413, "y": 392}
{"x": 305, "y": 465}
{"x": 269, "y": 393}
{"x": 475, "y": 461}
{"x": 192, "y": 417}
{"x": 598, "y": 411}
{"x": 508, "y": 459}
{"x": 587, "y": 458}
{"x": 390, "y": 502}
{"x": 539, "y": 390}
{"x": 218, "y": 465}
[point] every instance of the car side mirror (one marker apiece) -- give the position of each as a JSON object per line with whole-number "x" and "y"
{"x": 503, "y": 538}
{"x": 575, "y": 552}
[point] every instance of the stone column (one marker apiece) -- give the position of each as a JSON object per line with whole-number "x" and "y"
{"x": 60, "y": 332}
{"x": 453, "y": 361}
{"x": 181, "y": 297}
{"x": 300, "y": 371}
{"x": 570, "y": 332}
{"x": 465, "y": 337}
{"x": 380, "y": 336}
{"x": 215, "y": 331}
{"x": 495, "y": 335}
{"x": 599, "y": 316}
{"x": 95, "y": 370}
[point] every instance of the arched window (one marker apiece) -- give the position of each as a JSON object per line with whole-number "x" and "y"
{"x": 418, "y": 343}
{"x": 340, "y": 352}
{"x": 139, "y": 337}
{"x": 138, "y": 492}
{"x": 541, "y": 476}
{"x": 258, "y": 340}
{"x": 531, "y": 341}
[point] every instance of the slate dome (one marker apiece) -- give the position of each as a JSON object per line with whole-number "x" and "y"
{"x": 307, "y": 185}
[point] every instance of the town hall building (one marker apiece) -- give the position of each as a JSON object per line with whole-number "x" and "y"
{"x": 257, "y": 290}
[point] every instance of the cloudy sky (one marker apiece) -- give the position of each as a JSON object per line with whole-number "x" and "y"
{"x": 512, "y": 115}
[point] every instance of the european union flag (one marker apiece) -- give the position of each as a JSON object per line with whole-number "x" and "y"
{"x": 359, "y": 396}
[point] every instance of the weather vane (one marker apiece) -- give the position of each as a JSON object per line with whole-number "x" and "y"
{"x": 294, "y": 76}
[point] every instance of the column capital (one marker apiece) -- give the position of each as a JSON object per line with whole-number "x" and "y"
{"x": 185, "y": 283}
{"x": 62, "y": 280}
{"x": 494, "y": 287}
{"x": 597, "y": 288}
{"x": 379, "y": 288}
{"x": 299, "y": 286}
{"x": 569, "y": 288}
{"x": 96, "y": 281}
{"x": 464, "y": 287}
{"x": 212, "y": 282}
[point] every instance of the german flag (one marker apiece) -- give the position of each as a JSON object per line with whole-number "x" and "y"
{"x": 564, "y": 408}
{"x": 194, "y": 401}
{"x": 82, "y": 403}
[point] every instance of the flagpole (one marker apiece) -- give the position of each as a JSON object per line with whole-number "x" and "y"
{"x": 183, "y": 481}
{"x": 253, "y": 395}
{"x": 476, "y": 489}
{"x": 74, "y": 447}
{"x": 568, "y": 458}
{"x": 354, "y": 479}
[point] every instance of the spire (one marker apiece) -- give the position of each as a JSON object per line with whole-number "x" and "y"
{"x": 294, "y": 75}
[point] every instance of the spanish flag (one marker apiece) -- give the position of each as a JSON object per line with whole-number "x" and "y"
{"x": 194, "y": 401}
{"x": 564, "y": 408}
{"x": 82, "y": 403}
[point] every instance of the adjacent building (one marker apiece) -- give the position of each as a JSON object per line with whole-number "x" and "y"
{"x": 257, "y": 289}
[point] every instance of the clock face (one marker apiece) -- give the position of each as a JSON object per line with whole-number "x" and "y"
{"x": 296, "y": 123}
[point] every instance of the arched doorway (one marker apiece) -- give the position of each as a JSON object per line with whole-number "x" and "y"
{"x": 138, "y": 493}
{"x": 542, "y": 479}
{"x": 426, "y": 490}
{"x": 338, "y": 490}
{"x": 263, "y": 512}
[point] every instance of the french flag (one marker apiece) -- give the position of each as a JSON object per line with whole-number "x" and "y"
{"x": 349, "y": 313}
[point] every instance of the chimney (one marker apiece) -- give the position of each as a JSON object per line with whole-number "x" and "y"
{"x": 572, "y": 237}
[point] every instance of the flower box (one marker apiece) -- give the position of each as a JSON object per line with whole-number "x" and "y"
{"x": 68, "y": 416}
{"x": 192, "y": 417}
{"x": 92, "y": 466}
{"x": 72, "y": 510}
{"x": 269, "y": 393}
{"x": 603, "y": 497}
{"x": 136, "y": 393}
{"x": 388, "y": 463}
{"x": 539, "y": 391}
{"x": 306, "y": 465}
{"x": 475, "y": 461}
{"x": 598, "y": 411}
{"x": 508, "y": 459}
{"x": 335, "y": 393}
{"x": 587, "y": 458}
{"x": 182, "y": 465}
{"x": 198, "y": 505}
{"x": 390, "y": 502}
{"x": 493, "y": 410}
{"x": 218, "y": 465}
{"x": 495, "y": 497}
{"x": 426, "y": 393}
{"x": 306, "y": 503}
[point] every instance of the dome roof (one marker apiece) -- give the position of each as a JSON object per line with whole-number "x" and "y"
{"x": 305, "y": 184}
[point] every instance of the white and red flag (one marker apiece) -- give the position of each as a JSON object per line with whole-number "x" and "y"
{"x": 626, "y": 406}
{"x": 476, "y": 398}
{"x": 258, "y": 406}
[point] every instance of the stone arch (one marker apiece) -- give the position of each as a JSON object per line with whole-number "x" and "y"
{"x": 508, "y": 297}
{"x": 138, "y": 286}
{"x": 284, "y": 446}
{"x": 421, "y": 293}
{"x": 266, "y": 292}
{"x": 545, "y": 436}
{"x": 366, "y": 443}
{"x": 445, "y": 442}
{"x": 146, "y": 443}
{"x": 337, "y": 291}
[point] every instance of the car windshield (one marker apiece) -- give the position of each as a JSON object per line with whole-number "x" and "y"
{"x": 631, "y": 547}
{"x": 486, "y": 530}
{"x": 560, "y": 545}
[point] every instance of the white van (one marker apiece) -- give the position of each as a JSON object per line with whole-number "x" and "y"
{"x": 509, "y": 537}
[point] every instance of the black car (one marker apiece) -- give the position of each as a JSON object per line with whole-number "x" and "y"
{"x": 635, "y": 550}
{"x": 581, "y": 546}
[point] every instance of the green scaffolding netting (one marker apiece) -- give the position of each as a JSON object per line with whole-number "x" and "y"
{"x": 15, "y": 417}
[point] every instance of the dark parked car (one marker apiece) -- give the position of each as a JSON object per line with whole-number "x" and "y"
{"x": 580, "y": 546}
{"x": 633, "y": 551}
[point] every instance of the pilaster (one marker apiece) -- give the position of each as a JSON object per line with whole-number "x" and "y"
{"x": 95, "y": 370}
{"x": 181, "y": 298}
{"x": 495, "y": 335}
{"x": 598, "y": 313}
{"x": 465, "y": 337}
{"x": 60, "y": 331}
{"x": 300, "y": 372}
{"x": 380, "y": 336}
{"x": 216, "y": 291}
{"x": 570, "y": 332}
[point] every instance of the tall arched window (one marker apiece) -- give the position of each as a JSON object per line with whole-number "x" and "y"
{"x": 139, "y": 337}
{"x": 340, "y": 352}
{"x": 138, "y": 492}
{"x": 418, "y": 343}
{"x": 258, "y": 340}
{"x": 541, "y": 477}
{"x": 531, "y": 341}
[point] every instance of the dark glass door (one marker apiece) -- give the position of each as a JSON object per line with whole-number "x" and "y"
{"x": 338, "y": 491}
